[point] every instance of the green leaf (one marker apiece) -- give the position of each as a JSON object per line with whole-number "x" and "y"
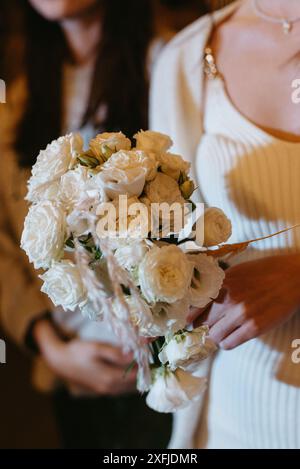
{"x": 107, "y": 152}
{"x": 125, "y": 290}
{"x": 182, "y": 178}
{"x": 98, "y": 254}
{"x": 88, "y": 243}
{"x": 187, "y": 188}
{"x": 70, "y": 242}
{"x": 192, "y": 204}
{"x": 129, "y": 368}
{"x": 87, "y": 160}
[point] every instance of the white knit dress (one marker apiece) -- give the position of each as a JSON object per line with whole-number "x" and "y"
{"x": 254, "y": 390}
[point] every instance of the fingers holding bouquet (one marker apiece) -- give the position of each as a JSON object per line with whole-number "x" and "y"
{"x": 256, "y": 297}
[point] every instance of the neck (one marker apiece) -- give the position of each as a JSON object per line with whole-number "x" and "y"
{"x": 280, "y": 8}
{"x": 83, "y": 35}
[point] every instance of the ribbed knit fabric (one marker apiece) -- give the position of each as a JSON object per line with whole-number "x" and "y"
{"x": 254, "y": 392}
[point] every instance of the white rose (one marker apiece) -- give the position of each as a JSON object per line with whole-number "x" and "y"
{"x": 72, "y": 187}
{"x": 163, "y": 189}
{"x": 54, "y": 161}
{"x": 78, "y": 223}
{"x": 217, "y": 227}
{"x": 138, "y": 218}
{"x": 138, "y": 315}
{"x": 207, "y": 279}
{"x": 166, "y": 318}
{"x": 152, "y": 142}
{"x": 123, "y": 217}
{"x": 130, "y": 256}
{"x": 172, "y": 391}
{"x": 44, "y": 234}
{"x": 46, "y": 191}
{"x": 165, "y": 274}
{"x": 131, "y": 160}
{"x": 154, "y": 321}
{"x": 88, "y": 311}
{"x": 116, "y": 243}
{"x": 186, "y": 349}
{"x": 63, "y": 285}
{"x": 105, "y": 144}
{"x": 126, "y": 172}
{"x": 173, "y": 165}
{"x": 166, "y": 217}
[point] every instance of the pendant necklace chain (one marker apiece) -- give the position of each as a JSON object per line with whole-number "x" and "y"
{"x": 286, "y": 23}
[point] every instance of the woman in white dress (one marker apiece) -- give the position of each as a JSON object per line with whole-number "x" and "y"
{"x": 225, "y": 91}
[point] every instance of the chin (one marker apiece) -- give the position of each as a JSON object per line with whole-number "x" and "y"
{"x": 56, "y": 10}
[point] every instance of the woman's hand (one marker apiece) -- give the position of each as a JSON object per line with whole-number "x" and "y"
{"x": 257, "y": 297}
{"x": 96, "y": 368}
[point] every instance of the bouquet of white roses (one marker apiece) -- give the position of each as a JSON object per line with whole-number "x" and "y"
{"x": 110, "y": 225}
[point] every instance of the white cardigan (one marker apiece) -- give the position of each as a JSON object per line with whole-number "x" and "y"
{"x": 177, "y": 91}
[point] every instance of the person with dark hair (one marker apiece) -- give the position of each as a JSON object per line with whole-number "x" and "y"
{"x": 77, "y": 65}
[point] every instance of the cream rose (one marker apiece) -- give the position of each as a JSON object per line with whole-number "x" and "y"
{"x": 131, "y": 160}
{"x": 172, "y": 391}
{"x": 163, "y": 189}
{"x": 105, "y": 144}
{"x": 53, "y": 162}
{"x": 186, "y": 349}
{"x": 63, "y": 285}
{"x": 138, "y": 221}
{"x": 123, "y": 217}
{"x": 169, "y": 210}
{"x": 165, "y": 274}
{"x": 126, "y": 173}
{"x": 217, "y": 227}
{"x": 207, "y": 279}
{"x": 44, "y": 234}
{"x": 173, "y": 165}
{"x": 152, "y": 142}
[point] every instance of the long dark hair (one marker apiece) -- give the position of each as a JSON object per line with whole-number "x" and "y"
{"x": 120, "y": 77}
